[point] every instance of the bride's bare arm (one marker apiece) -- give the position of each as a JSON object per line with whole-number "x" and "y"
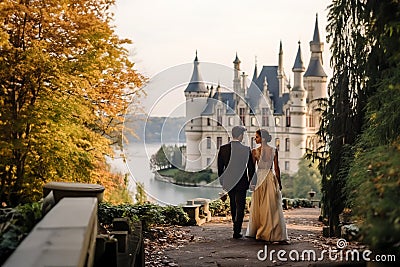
{"x": 254, "y": 155}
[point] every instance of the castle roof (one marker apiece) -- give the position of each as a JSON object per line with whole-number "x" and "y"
{"x": 196, "y": 83}
{"x": 237, "y": 60}
{"x": 256, "y": 90}
{"x": 315, "y": 69}
{"x": 298, "y": 63}
{"x": 316, "y": 38}
{"x": 228, "y": 98}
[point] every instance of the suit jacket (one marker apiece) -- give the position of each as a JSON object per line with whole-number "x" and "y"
{"x": 235, "y": 166}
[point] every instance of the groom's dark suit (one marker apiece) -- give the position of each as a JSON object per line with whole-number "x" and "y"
{"x": 235, "y": 170}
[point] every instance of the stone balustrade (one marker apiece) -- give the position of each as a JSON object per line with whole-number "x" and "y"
{"x": 66, "y": 236}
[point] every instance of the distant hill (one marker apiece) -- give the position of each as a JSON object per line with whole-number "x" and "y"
{"x": 156, "y": 129}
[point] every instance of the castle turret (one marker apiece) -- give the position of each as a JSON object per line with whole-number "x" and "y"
{"x": 315, "y": 77}
{"x": 196, "y": 95}
{"x": 237, "y": 85}
{"x": 298, "y": 112}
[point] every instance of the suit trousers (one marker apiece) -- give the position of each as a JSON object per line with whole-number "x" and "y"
{"x": 238, "y": 203}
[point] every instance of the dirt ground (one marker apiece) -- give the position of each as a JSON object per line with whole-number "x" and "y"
{"x": 211, "y": 244}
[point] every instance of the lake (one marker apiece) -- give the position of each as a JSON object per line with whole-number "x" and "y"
{"x": 137, "y": 166}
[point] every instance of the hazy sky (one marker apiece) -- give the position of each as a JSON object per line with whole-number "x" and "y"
{"x": 166, "y": 33}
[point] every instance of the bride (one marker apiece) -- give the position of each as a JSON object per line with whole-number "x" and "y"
{"x": 266, "y": 220}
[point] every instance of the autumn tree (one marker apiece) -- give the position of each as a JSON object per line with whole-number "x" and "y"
{"x": 66, "y": 82}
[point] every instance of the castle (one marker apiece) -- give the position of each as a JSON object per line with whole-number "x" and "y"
{"x": 288, "y": 112}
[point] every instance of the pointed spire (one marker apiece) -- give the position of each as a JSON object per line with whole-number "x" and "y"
{"x": 219, "y": 91}
{"x": 196, "y": 82}
{"x": 211, "y": 91}
{"x": 265, "y": 83}
{"x": 316, "y": 38}
{"x": 298, "y": 63}
{"x": 315, "y": 68}
{"x": 280, "y": 62}
{"x": 237, "y": 60}
{"x": 255, "y": 74}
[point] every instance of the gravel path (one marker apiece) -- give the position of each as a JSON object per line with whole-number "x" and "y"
{"x": 211, "y": 244}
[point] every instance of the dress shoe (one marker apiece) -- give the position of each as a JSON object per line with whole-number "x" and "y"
{"x": 237, "y": 236}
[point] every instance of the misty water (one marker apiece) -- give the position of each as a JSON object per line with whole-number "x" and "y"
{"x": 137, "y": 166}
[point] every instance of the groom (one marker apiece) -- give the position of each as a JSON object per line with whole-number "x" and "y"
{"x": 235, "y": 170}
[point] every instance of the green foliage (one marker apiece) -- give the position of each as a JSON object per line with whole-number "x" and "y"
{"x": 374, "y": 186}
{"x": 296, "y": 203}
{"x": 150, "y": 214}
{"x": 299, "y": 185}
{"x": 167, "y": 157}
{"x": 374, "y": 180}
{"x": 15, "y": 224}
{"x": 219, "y": 208}
{"x": 174, "y": 215}
{"x": 364, "y": 37}
{"x": 189, "y": 178}
{"x": 140, "y": 195}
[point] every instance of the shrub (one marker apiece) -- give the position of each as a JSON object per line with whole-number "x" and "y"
{"x": 149, "y": 213}
{"x": 373, "y": 187}
{"x": 174, "y": 215}
{"x": 15, "y": 224}
{"x": 219, "y": 208}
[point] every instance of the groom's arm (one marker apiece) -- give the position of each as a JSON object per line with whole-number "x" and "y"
{"x": 250, "y": 166}
{"x": 220, "y": 164}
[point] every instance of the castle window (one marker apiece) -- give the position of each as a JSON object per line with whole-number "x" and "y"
{"x": 230, "y": 121}
{"x": 208, "y": 161}
{"x": 242, "y": 115}
{"x": 219, "y": 117}
{"x": 287, "y": 144}
{"x": 253, "y": 142}
{"x": 311, "y": 120}
{"x": 277, "y": 121}
{"x": 253, "y": 121}
{"x": 287, "y": 164}
{"x": 208, "y": 142}
{"x": 264, "y": 117}
{"x": 277, "y": 143}
{"x": 219, "y": 142}
{"x": 208, "y": 122}
{"x": 287, "y": 117}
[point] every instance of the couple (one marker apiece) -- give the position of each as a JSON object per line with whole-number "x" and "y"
{"x": 236, "y": 169}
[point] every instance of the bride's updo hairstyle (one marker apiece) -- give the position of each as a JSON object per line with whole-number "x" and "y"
{"x": 264, "y": 135}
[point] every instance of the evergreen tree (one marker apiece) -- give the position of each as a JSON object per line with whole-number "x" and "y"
{"x": 374, "y": 180}
{"x": 360, "y": 115}
{"x": 343, "y": 114}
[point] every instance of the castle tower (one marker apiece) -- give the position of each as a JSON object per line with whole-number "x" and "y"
{"x": 315, "y": 77}
{"x": 298, "y": 112}
{"x": 196, "y": 95}
{"x": 237, "y": 85}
